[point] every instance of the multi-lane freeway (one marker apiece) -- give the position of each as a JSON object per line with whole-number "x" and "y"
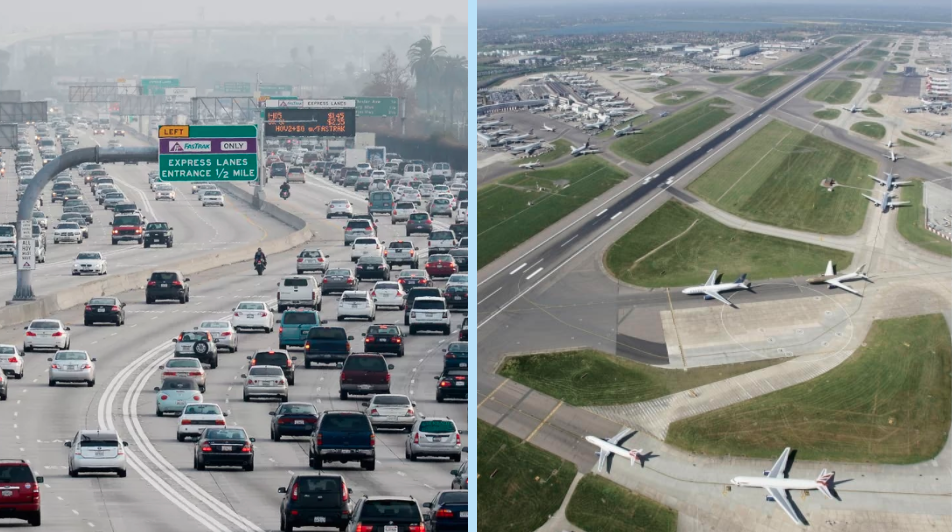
{"x": 162, "y": 489}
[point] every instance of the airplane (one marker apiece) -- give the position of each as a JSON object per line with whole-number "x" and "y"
{"x": 547, "y": 128}
{"x": 777, "y": 486}
{"x": 531, "y": 166}
{"x": 609, "y": 447}
{"x": 595, "y": 125}
{"x": 614, "y": 103}
{"x": 584, "y": 149}
{"x": 627, "y": 130}
{"x": 515, "y": 138}
{"x": 604, "y": 98}
{"x": 617, "y": 112}
{"x": 889, "y": 144}
{"x": 886, "y": 203}
{"x": 527, "y": 148}
{"x": 890, "y": 182}
{"x": 712, "y": 291}
{"x": 893, "y": 156}
{"x": 852, "y": 108}
{"x": 499, "y": 132}
{"x": 487, "y": 125}
{"x": 830, "y": 278}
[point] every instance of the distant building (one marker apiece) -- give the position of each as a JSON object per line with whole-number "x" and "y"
{"x": 588, "y": 57}
{"x": 529, "y": 60}
{"x": 672, "y": 47}
{"x": 700, "y": 49}
{"x": 739, "y": 49}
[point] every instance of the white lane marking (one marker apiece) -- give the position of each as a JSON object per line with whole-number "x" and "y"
{"x": 75, "y": 512}
{"x": 490, "y": 295}
{"x": 562, "y": 246}
{"x": 513, "y": 272}
{"x": 533, "y": 274}
{"x": 616, "y": 215}
{"x": 601, "y": 213}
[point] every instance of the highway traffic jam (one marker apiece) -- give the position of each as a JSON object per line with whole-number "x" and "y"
{"x": 323, "y": 386}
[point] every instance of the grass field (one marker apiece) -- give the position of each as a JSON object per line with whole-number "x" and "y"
{"x": 504, "y": 211}
{"x": 887, "y": 403}
{"x": 906, "y": 144}
{"x": 869, "y": 129}
{"x": 668, "y": 82}
{"x": 833, "y": 91}
{"x": 560, "y": 147}
{"x": 520, "y": 485}
{"x": 918, "y": 138}
{"x": 905, "y": 48}
{"x": 875, "y": 97}
{"x": 827, "y": 114}
{"x": 857, "y": 76}
{"x": 679, "y": 246}
{"x": 598, "y": 504}
{"x": 763, "y": 85}
{"x": 900, "y": 54}
{"x": 806, "y": 62}
{"x": 723, "y": 79}
{"x": 677, "y": 97}
{"x": 881, "y": 42}
{"x": 900, "y": 60}
{"x": 668, "y": 134}
{"x": 911, "y": 222}
{"x": 845, "y": 40}
{"x": 874, "y": 53}
{"x": 774, "y": 178}
{"x": 590, "y": 378}
{"x": 872, "y": 113}
{"x": 829, "y": 51}
{"x": 859, "y": 65}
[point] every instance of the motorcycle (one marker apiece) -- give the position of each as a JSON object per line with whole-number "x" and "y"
{"x": 285, "y": 194}
{"x": 259, "y": 266}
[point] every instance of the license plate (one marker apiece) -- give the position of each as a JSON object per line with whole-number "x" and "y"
{"x": 384, "y": 340}
{"x": 464, "y": 515}
{"x": 7, "y": 493}
{"x": 164, "y": 285}
{"x": 345, "y": 451}
{"x": 157, "y": 240}
{"x": 391, "y": 418}
{"x": 391, "y": 529}
{"x": 298, "y": 421}
{"x": 462, "y": 365}
{"x": 457, "y": 298}
{"x": 226, "y": 448}
{"x": 100, "y": 453}
{"x": 364, "y": 386}
{"x": 320, "y": 519}
{"x": 461, "y": 384}
{"x": 181, "y": 374}
{"x": 182, "y": 403}
{"x": 102, "y": 310}
{"x": 185, "y": 348}
{"x": 249, "y": 315}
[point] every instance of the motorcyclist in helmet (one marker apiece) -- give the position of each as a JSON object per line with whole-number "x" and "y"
{"x": 286, "y": 187}
{"x": 259, "y": 255}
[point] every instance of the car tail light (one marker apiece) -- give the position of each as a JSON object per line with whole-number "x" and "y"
{"x": 115, "y": 231}
{"x": 313, "y": 294}
{"x": 247, "y": 447}
{"x": 88, "y": 308}
{"x": 350, "y": 280}
{"x": 206, "y": 448}
{"x": 394, "y": 212}
{"x": 226, "y": 333}
{"x": 289, "y": 362}
{"x": 186, "y": 422}
{"x": 347, "y": 346}
{"x": 344, "y": 495}
{"x": 374, "y": 412}
{"x": 300, "y": 259}
{"x": 294, "y": 492}
{"x": 58, "y": 333}
{"x": 264, "y": 314}
{"x": 459, "y": 440}
{"x": 307, "y": 346}
{"x": 164, "y": 397}
{"x": 219, "y": 421}
{"x": 138, "y": 229}
{"x": 409, "y": 412}
{"x": 401, "y": 281}
{"x": 444, "y": 384}
{"x": 349, "y": 229}
{"x": 428, "y": 222}
{"x": 388, "y": 377}
{"x": 450, "y": 355}
{"x": 197, "y": 397}
{"x": 373, "y": 440}
{"x": 30, "y": 333}
{"x": 236, "y": 313}
{"x": 373, "y": 293}
{"x": 429, "y": 243}
{"x": 176, "y": 283}
{"x": 416, "y": 437}
{"x": 446, "y": 315}
{"x": 280, "y": 329}
{"x": 443, "y": 512}
{"x": 325, "y": 281}
{"x": 364, "y": 528}
{"x": 11, "y": 359}
{"x": 194, "y": 373}
{"x": 320, "y": 259}
{"x": 413, "y": 314}
{"x": 151, "y": 283}
{"x": 320, "y": 439}
{"x": 54, "y": 366}
{"x": 115, "y": 309}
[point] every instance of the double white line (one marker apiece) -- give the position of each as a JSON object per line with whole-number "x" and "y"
{"x": 148, "y": 362}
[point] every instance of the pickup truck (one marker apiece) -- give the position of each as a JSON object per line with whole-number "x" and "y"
{"x": 127, "y": 227}
{"x": 158, "y": 233}
{"x": 326, "y": 345}
{"x": 343, "y": 436}
{"x": 364, "y": 374}
{"x": 295, "y": 324}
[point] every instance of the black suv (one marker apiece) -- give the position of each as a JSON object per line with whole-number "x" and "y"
{"x": 316, "y": 499}
{"x": 158, "y": 233}
{"x": 419, "y": 291}
{"x": 167, "y": 285}
{"x": 343, "y": 436}
{"x": 275, "y": 358}
{"x": 382, "y": 512}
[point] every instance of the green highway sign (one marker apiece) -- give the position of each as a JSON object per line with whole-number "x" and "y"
{"x": 234, "y": 87}
{"x": 208, "y": 153}
{"x": 158, "y": 85}
{"x": 274, "y": 90}
{"x": 373, "y": 106}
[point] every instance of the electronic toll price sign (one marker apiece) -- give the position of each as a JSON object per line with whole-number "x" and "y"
{"x": 310, "y": 118}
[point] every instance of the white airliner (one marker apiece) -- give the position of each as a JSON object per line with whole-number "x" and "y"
{"x": 627, "y": 130}
{"x": 889, "y": 144}
{"x": 584, "y": 149}
{"x": 777, "y": 486}
{"x": 890, "y": 181}
{"x": 713, "y": 291}
{"x": 516, "y": 138}
{"x": 852, "y": 108}
{"x": 830, "y": 278}
{"x": 527, "y": 148}
{"x": 547, "y": 128}
{"x": 486, "y": 125}
{"x": 886, "y": 203}
{"x": 531, "y": 166}
{"x": 893, "y": 156}
{"x": 595, "y": 125}
{"x": 608, "y": 447}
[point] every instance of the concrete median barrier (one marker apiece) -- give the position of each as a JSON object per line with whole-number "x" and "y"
{"x": 17, "y": 312}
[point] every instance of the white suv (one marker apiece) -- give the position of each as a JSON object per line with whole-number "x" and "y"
{"x": 462, "y": 215}
{"x": 402, "y": 211}
{"x": 356, "y": 304}
{"x": 365, "y": 246}
{"x": 299, "y": 291}
{"x": 429, "y": 313}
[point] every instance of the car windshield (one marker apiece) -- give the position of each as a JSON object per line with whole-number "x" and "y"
{"x": 251, "y": 306}
{"x": 299, "y": 318}
{"x": 164, "y": 277}
{"x": 346, "y": 423}
{"x": 68, "y": 225}
{"x": 39, "y": 215}
{"x": 102, "y": 301}
{"x": 440, "y": 426}
{"x": 454, "y": 497}
{"x": 265, "y": 370}
{"x": 440, "y": 258}
{"x": 428, "y": 304}
{"x": 214, "y": 325}
{"x": 45, "y": 325}
{"x": 203, "y": 410}
{"x": 157, "y": 226}
{"x": 405, "y": 205}
{"x": 365, "y": 241}
{"x": 70, "y": 355}
{"x": 194, "y": 337}
{"x": 183, "y": 363}
{"x": 365, "y": 363}
{"x": 370, "y": 260}
{"x": 16, "y": 474}
{"x": 387, "y": 286}
{"x": 332, "y": 273}
{"x": 310, "y": 254}
{"x": 295, "y": 281}
{"x": 327, "y": 333}
{"x": 126, "y": 220}
{"x": 226, "y": 434}
{"x": 412, "y": 273}
{"x": 391, "y": 400}
{"x": 7, "y": 350}
{"x": 390, "y": 510}
{"x": 340, "y": 203}
{"x": 358, "y": 224}
{"x": 354, "y": 296}
{"x": 419, "y": 216}
{"x": 179, "y": 384}
{"x": 89, "y": 256}
{"x": 297, "y": 409}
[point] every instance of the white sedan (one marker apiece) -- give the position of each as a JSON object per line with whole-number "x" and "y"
{"x": 46, "y": 334}
{"x": 213, "y": 197}
{"x": 340, "y": 207}
{"x": 67, "y": 232}
{"x": 164, "y": 191}
{"x": 389, "y": 294}
{"x": 253, "y": 315}
{"x": 11, "y": 362}
{"x": 356, "y": 304}
{"x": 92, "y": 262}
{"x": 197, "y": 417}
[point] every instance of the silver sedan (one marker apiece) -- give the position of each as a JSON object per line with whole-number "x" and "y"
{"x": 72, "y": 366}
{"x": 225, "y": 336}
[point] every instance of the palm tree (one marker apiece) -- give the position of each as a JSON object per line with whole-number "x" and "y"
{"x": 453, "y": 77}
{"x": 423, "y": 58}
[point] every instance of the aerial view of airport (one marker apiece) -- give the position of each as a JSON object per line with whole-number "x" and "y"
{"x": 714, "y": 266}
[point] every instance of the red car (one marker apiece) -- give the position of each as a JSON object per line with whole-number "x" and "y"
{"x": 441, "y": 266}
{"x": 21, "y": 491}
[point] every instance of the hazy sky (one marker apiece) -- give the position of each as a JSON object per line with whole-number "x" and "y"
{"x": 17, "y": 15}
{"x": 675, "y": 4}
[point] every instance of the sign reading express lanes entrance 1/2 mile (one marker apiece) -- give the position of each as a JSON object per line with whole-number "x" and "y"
{"x": 208, "y": 153}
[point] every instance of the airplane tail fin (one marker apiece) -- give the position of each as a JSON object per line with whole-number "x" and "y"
{"x": 824, "y": 482}
{"x": 530, "y": 131}
{"x": 635, "y": 455}
{"x": 742, "y": 280}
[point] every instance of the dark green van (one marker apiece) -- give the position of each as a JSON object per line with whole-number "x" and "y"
{"x": 380, "y": 201}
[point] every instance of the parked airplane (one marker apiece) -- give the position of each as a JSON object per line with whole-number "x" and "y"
{"x": 614, "y": 103}
{"x": 499, "y": 132}
{"x": 595, "y": 125}
{"x": 713, "y": 291}
{"x": 584, "y": 149}
{"x": 893, "y": 156}
{"x": 889, "y": 144}
{"x": 852, "y": 108}
{"x": 609, "y": 447}
{"x": 830, "y": 278}
{"x": 617, "y": 112}
{"x": 777, "y": 486}
{"x": 527, "y": 148}
{"x": 547, "y": 128}
{"x": 531, "y": 166}
{"x": 627, "y": 130}
{"x": 487, "y": 125}
{"x": 890, "y": 181}
{"x": 886, "y": 203}
{"x": 515, "y": 138}
{"x": 603, "y": 98}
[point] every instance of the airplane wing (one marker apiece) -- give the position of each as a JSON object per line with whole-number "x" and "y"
{"x": 878, "y": 180}
{"x": 872, "y": 199}
{"x": 602, "y": 458}
{"x": 714, "y": 295}
{"x": 617, "y": 437}
{"x": 899, "y": 203}
{"x": 901, "y": 183}
{"x": 829, "y": 269}
{"x": 780, "y": 497}
{"x": 780, "y": 464}
{"x": 711, "y": 279}
{"x": 836, "y": 282}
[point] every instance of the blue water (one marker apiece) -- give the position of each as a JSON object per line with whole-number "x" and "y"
{"x": 666, "y": 25}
